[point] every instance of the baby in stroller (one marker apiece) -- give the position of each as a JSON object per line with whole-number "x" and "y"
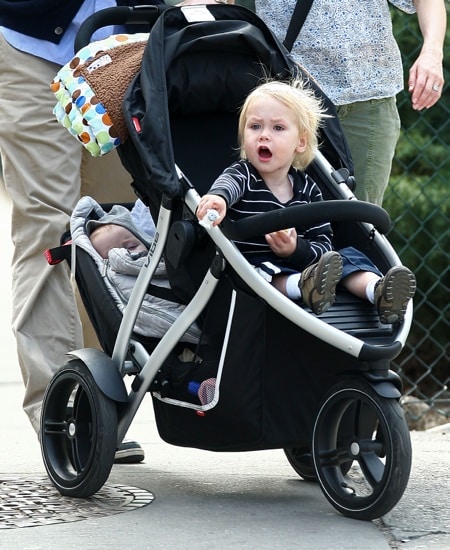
{"x": 116, "y": 229}
{"x": 278, "y": 128}
{"x": 118, "y": 239}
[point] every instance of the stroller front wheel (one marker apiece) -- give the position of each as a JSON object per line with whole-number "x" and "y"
{"x": 357, "y": 427}
{"x": 78, "y": 432}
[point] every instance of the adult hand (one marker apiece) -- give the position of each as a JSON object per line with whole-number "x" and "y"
{"x": 426, "y": 80}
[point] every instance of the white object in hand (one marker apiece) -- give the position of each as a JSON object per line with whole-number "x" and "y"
{"x": 209, "y": 218}
{"x": 212, "y": 215}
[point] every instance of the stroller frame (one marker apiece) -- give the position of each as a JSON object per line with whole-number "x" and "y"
{"x": 358, "y": 422}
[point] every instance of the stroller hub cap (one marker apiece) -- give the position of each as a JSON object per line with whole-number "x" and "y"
{"x": 71, "y": 429}
{"x": 354, "y": 449}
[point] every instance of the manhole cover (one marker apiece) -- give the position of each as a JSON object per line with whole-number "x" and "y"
{"x": 33, "y": 501}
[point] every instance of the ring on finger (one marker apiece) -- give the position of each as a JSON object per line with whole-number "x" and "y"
{"x": 435, "y": 88}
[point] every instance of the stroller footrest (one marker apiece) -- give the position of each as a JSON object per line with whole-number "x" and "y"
{"x": 356, "y": 317}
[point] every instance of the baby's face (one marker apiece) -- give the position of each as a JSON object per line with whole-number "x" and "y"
{"x": 109, "y": 236}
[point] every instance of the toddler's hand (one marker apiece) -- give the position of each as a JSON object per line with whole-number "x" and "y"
{"x": 211, "y": 209}
{"x": 283, "y": 243}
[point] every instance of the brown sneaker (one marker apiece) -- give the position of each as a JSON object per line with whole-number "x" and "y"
{"x": 392, "y": 294}
{"x": 318, "y": 282}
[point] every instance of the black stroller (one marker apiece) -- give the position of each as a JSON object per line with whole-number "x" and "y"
{"x": 276, "y": 375}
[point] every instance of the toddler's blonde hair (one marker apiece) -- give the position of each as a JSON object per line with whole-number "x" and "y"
{"x": 304, "y": 104}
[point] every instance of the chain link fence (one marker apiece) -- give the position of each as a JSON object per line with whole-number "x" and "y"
{"x": 418, "y": 201}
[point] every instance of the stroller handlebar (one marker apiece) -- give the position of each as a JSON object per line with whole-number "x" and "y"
{"x": 307, "y": 215}
{"x": 120, "y": 15}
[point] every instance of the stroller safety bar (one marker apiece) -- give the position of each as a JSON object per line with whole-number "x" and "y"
{"x": 290, "y": 310}
{"x": 309, "y": 214}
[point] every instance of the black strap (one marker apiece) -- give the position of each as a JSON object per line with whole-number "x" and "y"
{"x": 163, "y": 292}
{"x": 299, "y": 15}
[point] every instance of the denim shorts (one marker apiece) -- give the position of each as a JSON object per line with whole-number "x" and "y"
{"x": 353, "y": 260}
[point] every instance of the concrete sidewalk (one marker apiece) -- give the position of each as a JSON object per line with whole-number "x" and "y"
{"x": 197, "y": 499}
{"x": 217, "y": 500}
{"x": 421, "y": 520}
{"x": 201, "y": 500}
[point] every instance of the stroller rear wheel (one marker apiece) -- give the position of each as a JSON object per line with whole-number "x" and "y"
{"x": 78, "y": 432}
{"x": 300, "y": 458}
{"x": 356, "y": 426}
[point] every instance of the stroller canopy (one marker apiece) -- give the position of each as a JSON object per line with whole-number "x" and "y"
{"x": 194, "y": 77}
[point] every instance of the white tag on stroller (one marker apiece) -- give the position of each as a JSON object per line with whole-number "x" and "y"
{"x": 197, "y": 13}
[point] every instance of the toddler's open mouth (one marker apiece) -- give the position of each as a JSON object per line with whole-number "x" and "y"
{"x": 264, "y": 152}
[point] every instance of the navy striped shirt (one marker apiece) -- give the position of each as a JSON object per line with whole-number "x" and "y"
{"x": 246, "y": 194}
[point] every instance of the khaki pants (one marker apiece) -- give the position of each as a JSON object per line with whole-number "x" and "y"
{"x": 45, "y": 169}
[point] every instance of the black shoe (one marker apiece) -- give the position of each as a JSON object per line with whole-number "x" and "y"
{"x": 129, "y": 452}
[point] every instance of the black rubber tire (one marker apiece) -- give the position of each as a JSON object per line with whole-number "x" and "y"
{"x": 300, "y": 458}
{"x": 357, "y": 426}
{"x": 78, "y": 432}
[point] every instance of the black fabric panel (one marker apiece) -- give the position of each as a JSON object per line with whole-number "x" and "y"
{"x": 238, "y": 419}
{"x": 202, "y": 70}
{"x": 100, "y": 306}
{"x": 38, "y": 18}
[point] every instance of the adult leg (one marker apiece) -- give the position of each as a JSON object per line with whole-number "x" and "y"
{"x": 42, "y": 163}
{"x": 372, "y": 129}
{"x": 41, "y": 166}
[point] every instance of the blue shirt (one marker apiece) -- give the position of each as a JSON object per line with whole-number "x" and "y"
{"x": 62, "y": 52}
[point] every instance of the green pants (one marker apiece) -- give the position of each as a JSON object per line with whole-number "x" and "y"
{"x": 372, "y": 129}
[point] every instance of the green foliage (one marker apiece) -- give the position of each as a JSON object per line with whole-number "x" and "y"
{"x": 418, "y": 202}
{"x": 421, "y": 234}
